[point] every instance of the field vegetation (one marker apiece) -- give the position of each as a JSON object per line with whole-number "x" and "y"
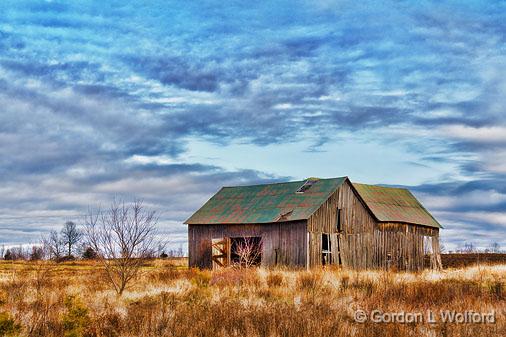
{"x": 43, "y": 298}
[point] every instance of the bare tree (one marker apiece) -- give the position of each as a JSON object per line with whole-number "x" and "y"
{"x": 70, "y": 236}
{"x": 54, "y": 245}
{"x": 249, "y": 252}
{"x": 469, "y": 247}
{"x": 123, "y": 238}
{"x": 37, "y": 253}
{"x": 495, "y": 247}
{"x": 8, "y": 255}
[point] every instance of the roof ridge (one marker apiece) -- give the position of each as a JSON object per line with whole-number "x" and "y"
{"x": 381, "y": 186}
{"x": 284, "y": 182}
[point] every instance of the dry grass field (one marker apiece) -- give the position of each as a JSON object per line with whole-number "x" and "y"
{"x": 74, "y": 299}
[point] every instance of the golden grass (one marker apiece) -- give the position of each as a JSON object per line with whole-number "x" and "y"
{"x": 74, "y": 299}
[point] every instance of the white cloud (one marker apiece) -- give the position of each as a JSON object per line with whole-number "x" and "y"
{"x": 474, "y": 198}
{"x": 489, "y": 134}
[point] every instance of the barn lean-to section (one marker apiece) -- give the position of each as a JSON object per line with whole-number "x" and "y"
{"x": 282, "y": 243}
{"x": 407, "y": 235}
{"x": 314, "y": 222}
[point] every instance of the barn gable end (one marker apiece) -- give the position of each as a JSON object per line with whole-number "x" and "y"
{"x": 355, "y": 234}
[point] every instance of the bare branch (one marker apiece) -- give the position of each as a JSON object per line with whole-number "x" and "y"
{"x": 249, "y": 251}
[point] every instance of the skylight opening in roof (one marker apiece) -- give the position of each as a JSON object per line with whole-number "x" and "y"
{"x": 307, "y": 185}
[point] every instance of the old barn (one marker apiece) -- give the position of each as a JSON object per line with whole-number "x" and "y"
{"x": 313, "y": 222}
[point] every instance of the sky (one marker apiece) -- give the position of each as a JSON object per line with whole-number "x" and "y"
{"x": 168, "y": 101}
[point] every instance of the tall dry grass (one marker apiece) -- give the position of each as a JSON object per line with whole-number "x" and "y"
{"x": 75, "y": 300}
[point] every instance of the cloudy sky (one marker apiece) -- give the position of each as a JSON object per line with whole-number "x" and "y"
{"x": 169, "y": 101}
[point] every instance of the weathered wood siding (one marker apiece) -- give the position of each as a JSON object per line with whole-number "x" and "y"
{"x": 402, "y": 246}
{"x": 355, "y": 242}
{"x": 364, "y": 243}
{"x": 283, "y": 243}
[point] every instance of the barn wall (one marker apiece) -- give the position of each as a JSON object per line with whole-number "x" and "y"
{"x": 288, "y": 238}
{"x": 356, "y": 241}
{"x": 364, "y": 243}
{"x": 403, "y": 246}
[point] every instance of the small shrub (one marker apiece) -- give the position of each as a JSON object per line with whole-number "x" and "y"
{"x": 76, "y": 319}
{"x": 8, "y": 327}
{"x": 89, "y": 254}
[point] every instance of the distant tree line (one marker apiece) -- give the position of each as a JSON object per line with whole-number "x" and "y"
{"x": 78, "y": 242}
{"x": 469, "y": 248}
{"x": 120, "y": 238}
{"x": 67, "y": 244}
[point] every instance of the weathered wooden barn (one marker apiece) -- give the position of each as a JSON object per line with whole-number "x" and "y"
{"x": 313, "y": 222}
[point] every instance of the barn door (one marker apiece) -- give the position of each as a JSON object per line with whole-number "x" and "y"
{"x": 221, "y": 252}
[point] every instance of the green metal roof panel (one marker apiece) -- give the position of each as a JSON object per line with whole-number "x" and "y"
{"x": 390, "y": 204}
{"x": 265, "y": 203}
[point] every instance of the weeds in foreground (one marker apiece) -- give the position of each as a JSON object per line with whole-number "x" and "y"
{"x": 167, "y": 301}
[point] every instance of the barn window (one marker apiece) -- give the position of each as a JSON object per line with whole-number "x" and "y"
{"x": 326, "y": 249}
{"x": 307, "y": 185}
{"x": 339, "y": 225}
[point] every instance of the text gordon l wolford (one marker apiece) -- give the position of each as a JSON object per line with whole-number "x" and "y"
{"x": 429, "y": 316}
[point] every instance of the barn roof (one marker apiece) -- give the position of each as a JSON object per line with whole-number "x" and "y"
{"x": 266, "y": 203}
{"x": 390, "y": 204}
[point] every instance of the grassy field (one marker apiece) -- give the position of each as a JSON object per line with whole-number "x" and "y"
{"x": 74, "y": 299}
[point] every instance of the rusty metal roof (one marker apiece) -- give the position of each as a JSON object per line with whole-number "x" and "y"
{"x": 265, "y": 203}
{"x": 390, "y": 204}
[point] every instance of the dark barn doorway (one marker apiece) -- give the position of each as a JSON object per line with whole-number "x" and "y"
{"x": 246, "y": 251}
